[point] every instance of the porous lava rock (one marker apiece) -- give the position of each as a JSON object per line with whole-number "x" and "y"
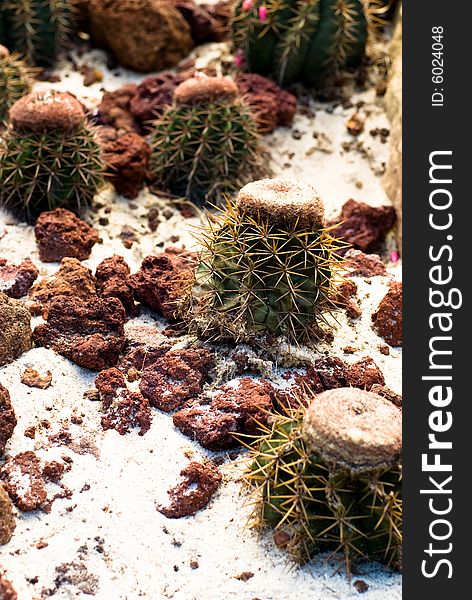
{"x": 59, "y": 234}
{"x": 114, "y": 110}
{"x": 15, "y": 329}
{"x": 144, "y": 345}
{"x": 7, "y": 519}
{"x": 7, "y": 418}
{"x": 16, "y": 280}
{"x": 7, "y": 591}
{"x": 113, "y": 281}
{"x": 199, "y": 482}
{"x": 363, "y": 265}
{"x": 387, "y": 320}
{"x": 347, "y": 298}
{"x": 32, "y": 378}
{"x": 91, "y": 334}
{"x": 208, "y": 22}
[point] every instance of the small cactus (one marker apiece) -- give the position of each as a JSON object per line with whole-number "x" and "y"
{"x": 268, "y": 266}
{"x": 328, "y": 478}
{"x": 204, "y": 145}
{"x": 37, "y": 29}
{"x": 49, "y": 157}
{"x": 15, "y": 81}
{"x": 300, "y": 40}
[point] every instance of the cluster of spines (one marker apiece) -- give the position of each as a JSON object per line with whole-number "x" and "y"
{"x": 16, "y": 79}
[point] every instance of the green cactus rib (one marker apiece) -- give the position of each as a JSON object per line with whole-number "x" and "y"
{"x": 202, "y": 152}
{"x": 319, "y": 507}
{"x": 45, "y": 171}
{"x": 256, "y": 278}
{"x": 301, "y": 40}
{"x": 15, "y": 81}
{"x": 37, "y": 29}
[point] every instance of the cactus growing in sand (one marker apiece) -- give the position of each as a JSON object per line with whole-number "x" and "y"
{"x": 205, "y": 144}
{"x": 36, "y": 29}
{"x": 15, "y": 81}
{"x": 300, "y": 40}
{"x": 328, "y": 478}
{"x": 268, "y": 266}
{"x": 49, "y": 157}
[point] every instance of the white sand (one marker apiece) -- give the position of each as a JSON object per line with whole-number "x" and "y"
{"x": 117, "y": 484}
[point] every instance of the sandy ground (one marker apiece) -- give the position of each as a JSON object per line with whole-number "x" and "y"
{"x": 108, "y": 540}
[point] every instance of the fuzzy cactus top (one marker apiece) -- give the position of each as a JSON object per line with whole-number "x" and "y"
{"x": 354, "y": 428}
{"x": 41, "y": 112}
{"x": 202, "y": 90}
{"x": 282, "y": 202}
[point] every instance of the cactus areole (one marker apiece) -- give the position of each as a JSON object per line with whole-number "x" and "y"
{"x": 300, "y": 40}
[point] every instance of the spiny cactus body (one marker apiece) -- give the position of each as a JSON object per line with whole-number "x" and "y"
{"x": 268, "y": 265}
{"x": 15, "y": 81}
{"x": 300, "y": 40}
{"x": 49, "y": 157}
{"x": 204, "y": 145}
{"x": 37, "y": 29}
{"x": 334, "y": 492}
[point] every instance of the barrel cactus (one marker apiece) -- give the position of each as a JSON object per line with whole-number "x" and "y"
{"x": 205, "y": 144}
{"x": 300, "y": 40}
{"x": 37, "y": 29}
{"x": 328, "y": 478}
{"x": 268, "y": 266}
{"x": 49, "y": 157}
{"x": 15, "y": 81}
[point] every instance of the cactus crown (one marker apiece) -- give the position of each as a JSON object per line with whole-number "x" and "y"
{"x": 300, "y": 40}
{"x": 268, "y": 266}
{"x": 16, "y": 79}
{"x": 316, "y": 504}
{"x": 37, "y": 29}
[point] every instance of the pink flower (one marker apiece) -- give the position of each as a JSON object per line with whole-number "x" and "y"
{"x": 262, "y": 13}
{"x": 248, "y": 4}
{"x": 394, "y": 256}
{"x": 239, "y": 58}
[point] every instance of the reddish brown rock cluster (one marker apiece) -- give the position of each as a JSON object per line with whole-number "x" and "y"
{"x": 272, "y": 106}
{"x": 347, "y": 298}
{"x": 208, "y": 22}
{"x": 7, "y": 418}
{"x": 123, "y": 409}
{"x": 7, "y": 592}
{"x": 363, "y": 265}
{"x": 91, "y": 334}
{"x": 175, "y": 377}
{"x": 114, "y": 110}
{"x": 199, "y": 482}
{"x": 162, "y": 280}
{"x": 32, "y": 378}
{"x": 59, "y": 234}
{"x": 234, "y": 409}
{"x": 113, "y": 281}
{"x": 144, "y": 345}
{"x": 16, "y": 280}
{"x": 387, "y": 320}
{"x": 362, "y": 225}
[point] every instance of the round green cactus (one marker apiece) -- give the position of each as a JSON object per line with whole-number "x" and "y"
{"x": 204, "y": 145}
{"x": 49, "y": 157}
{"x": 37, "y": 29}
{"x": 318, "y": 502}
{"x": 300, "y": 40}
{"x": 15, "y": 81}
{"x": 268, "y": 266}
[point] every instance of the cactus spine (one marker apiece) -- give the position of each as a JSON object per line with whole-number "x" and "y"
{"x": 36, "y": 29}
{"x": 15, "y": 81}
{"x": 49, "y": 157}
{"x": 268, "y": 266}
{"x": 205, "y": 144}
{"x": 300, "y": 40}
{"x": 317, "y": 502}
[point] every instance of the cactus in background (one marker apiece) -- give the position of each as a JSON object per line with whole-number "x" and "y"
{"x": 204, "y": 145}
{"x": 268, "y": 266}
{"x": 300, "y": 40}
{"x": 15, "y": 81}
{"x": 37, "y": 29}
{"x": 328, "y": 478}
{"x": 49, "y": 157}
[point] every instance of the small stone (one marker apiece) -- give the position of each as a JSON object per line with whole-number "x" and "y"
{"x": 7, "y": 519}
{"x": 32, "y": 378}
{"x": 113, "y": 281}
{"x": 7, "y": 591}
{"x": 387, "y": 320}
{"x": 361, "y": 586}
{"x": 15, "y": 329}
{"x": 16, "y": 280}
{"x": 7, "y": 418}
{"x": 355, "y": 125}
{"x": 363, "y": 265}
{"x": 245, "y": 576}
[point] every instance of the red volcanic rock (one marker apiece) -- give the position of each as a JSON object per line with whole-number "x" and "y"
{"x": 199, "y": 482}
{"x": 114, "y": 110}
{"x": 7, "y": 591}
{"x": 363, "y": 265}
{"x": 127, "y": 156}
{"x": 144, "y": 345}
{"x": 386, "y": 392}
{"x": 113, "y": 281}
{"x": 7, "y": 418}
{"x": 233, "y": 409}
{"x": 208, "y": 22}
{"x": 162, "y": 280}
{"x": 15, "y": 329}
{"x": 272, "y": 106}
{"x": 16, "y": 280}
{"x": 32, "y": 378}
{"x": 59, "y": 233}
{"x": 89, "y": 334}
{"x": 175, "y": 377}
{"x": 123, "y": 409}
{"x": 347, "y": 298}
{"x": 362, "y": 225}
{"x": 387, "y": 320}
{"x": 364, "y": 374}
